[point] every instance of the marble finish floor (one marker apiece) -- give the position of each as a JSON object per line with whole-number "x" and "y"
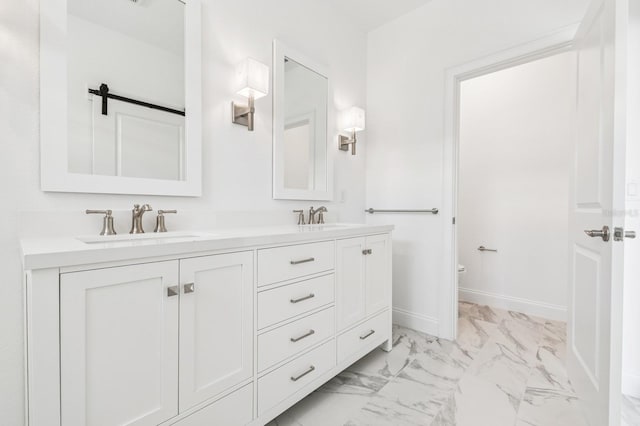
{"x": 506, "y": 368}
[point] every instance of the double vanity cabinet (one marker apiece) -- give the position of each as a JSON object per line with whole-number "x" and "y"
{"x": 222, "y": 329}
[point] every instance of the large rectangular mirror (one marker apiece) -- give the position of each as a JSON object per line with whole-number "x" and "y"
{"x": 120, "y": 96}
{"x": 301, "y": 166}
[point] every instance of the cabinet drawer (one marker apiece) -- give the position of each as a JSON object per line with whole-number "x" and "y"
{"x": 364, "y": 337}
{"x": 284, "y": 263}
{"x": 293, "y": 376}
{"x": 288, "y": 301}
{"x": 290, "y": 339}
{"x": 235, "y": 409}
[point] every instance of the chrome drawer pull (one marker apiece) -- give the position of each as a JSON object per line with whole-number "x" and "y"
{"x": 309, "y": 370}
{"x": 311, "y": 296}
{"x": 367, "y": 251}
{"x": 367, "y": 335}
{"x": 297, "y": 262}
{"x": 172, "y": 291}
{"x": 307, "y": 334}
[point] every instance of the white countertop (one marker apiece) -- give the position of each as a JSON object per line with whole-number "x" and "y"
{"x": 40, "y": 253}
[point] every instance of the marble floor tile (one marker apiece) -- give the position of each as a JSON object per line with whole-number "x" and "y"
{"x": 505, "y": 368}
{"x": 322, "y": 409}
{"x": 381, "y": 411}
{"x": 550, "y": 407}
{"x": 478, "y": 402}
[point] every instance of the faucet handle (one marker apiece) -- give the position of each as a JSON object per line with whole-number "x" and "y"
{"x": 321, "y": 212}
{"x": 107, "y": 221}
{"x": 160, "y": 226}
{"x": 300, "y": 216}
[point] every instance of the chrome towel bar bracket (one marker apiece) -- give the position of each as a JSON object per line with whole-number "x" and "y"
{"x": 372, "y": 211}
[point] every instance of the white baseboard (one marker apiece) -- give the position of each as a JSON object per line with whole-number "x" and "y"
{"x": 631, "y": 384}
{"x": 415, "y": 321}
{"x": 526, "y": 306}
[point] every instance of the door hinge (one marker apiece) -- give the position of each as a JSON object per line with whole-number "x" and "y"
{"x": 453, "y": 221}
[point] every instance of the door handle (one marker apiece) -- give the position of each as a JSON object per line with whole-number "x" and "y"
{"x": 172, "y": 291}
{"x": 595, "y": 233}
{"x": 619, "y": 234}
{"x": 189, "y": 288}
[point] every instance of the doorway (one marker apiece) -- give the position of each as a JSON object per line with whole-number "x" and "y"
{"x": 514, "y": 160}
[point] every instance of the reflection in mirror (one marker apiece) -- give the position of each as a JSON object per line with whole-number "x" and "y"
{"x": 135, "y": 50}
{"x": 305, "y": 128}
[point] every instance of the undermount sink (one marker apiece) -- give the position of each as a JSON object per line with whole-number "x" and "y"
{"x": 324, "y": 226}
{"x": 147, "y": 237}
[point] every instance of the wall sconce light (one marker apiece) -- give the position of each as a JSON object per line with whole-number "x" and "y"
{"x": 253, "y": 83}
{"x": 353, "y": 122}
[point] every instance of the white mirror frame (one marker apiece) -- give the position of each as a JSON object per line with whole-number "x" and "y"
{"x": 54, "y": 171}
{"x": 280, "y": 52}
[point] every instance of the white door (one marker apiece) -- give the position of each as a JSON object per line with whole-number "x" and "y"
{"x": 597, "y": 201}
{"x": 378, "y": 273}
{"x": 119, "y": 345}
{"x": 350, "y": 281}
{"x": 216, "y": 323}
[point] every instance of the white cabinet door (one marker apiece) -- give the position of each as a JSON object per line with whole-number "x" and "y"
{"x": 119, "y": 345}
{"x": 378, "y": 277}
{"x": 350, "y": 281}
{"x": 216, "y": 323}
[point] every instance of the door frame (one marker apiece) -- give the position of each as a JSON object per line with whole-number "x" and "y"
{"x": 555, "y": 43}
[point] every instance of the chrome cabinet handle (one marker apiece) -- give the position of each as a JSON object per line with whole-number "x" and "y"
{"x": 367, "y": 251}
{"x": 483, "y": 248}
{"x": 172, "y": 291}
{"x": 297, "y": 262}
{"x": 311, "y": 296}
{"x": 307, "y": 334}
{"x": 300, "y": 376}
{"x": 605, "y": 234}
{"x": 189, "y": 288}
{"x": 367, "y": 335}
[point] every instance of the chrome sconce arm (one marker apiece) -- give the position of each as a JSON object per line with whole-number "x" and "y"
{"x": 346, "y": 141}
{"x": 243, "y": 115}
{"x": 253, "y": 83}
{"x": 354, "y": 121}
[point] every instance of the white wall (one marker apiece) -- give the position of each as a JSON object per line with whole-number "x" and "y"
{"x": 406, "y": 63}
{"x": 631, "y": 332}
{"x": 516, "y": 131}
{"x": 236, "y": 163}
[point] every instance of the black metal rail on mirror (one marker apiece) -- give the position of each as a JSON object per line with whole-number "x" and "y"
{"x": 104, "y": 93}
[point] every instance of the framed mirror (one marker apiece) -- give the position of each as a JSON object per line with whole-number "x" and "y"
{"x": 120, "y": 84}
{"x": 301, "y": 161}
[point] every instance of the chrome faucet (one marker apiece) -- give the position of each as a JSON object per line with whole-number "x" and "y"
{"x": 136, "y": 218}
{"x": 312, "y": 215}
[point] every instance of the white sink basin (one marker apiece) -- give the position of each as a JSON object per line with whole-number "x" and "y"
{"x": 324, "y": 226}
{"x": 150, "y": 238}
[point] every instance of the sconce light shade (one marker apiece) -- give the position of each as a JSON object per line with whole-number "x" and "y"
{"x": 354, "y": 120}
{"x": 252, "y": 79}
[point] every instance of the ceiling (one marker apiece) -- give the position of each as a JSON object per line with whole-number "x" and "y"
{"x": 370, "y": 14}
{"x": 157, "y": 22}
